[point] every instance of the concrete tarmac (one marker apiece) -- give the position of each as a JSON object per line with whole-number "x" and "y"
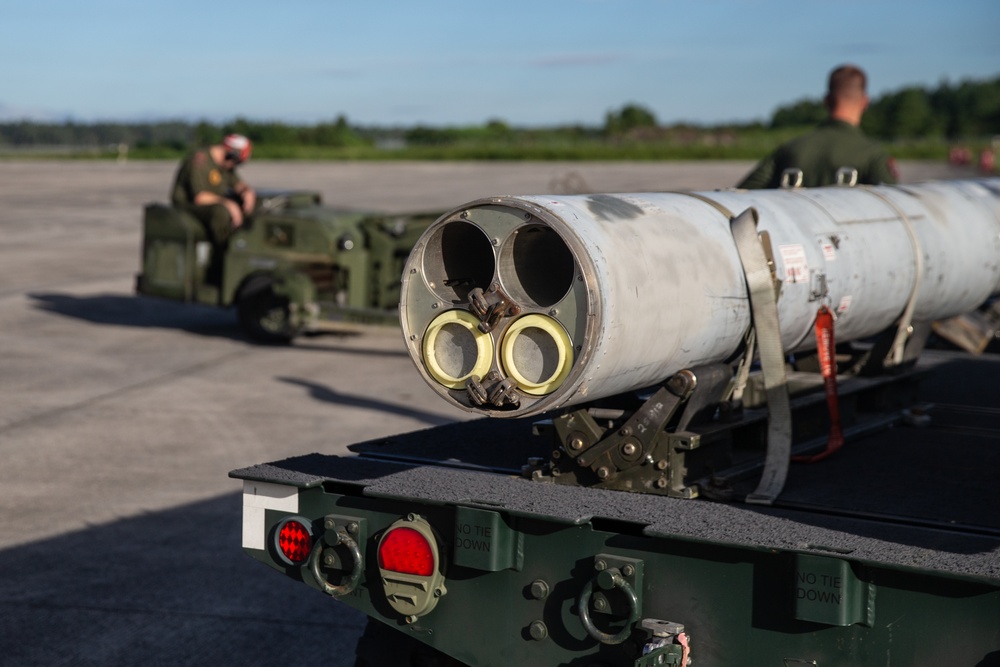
{"x": 120, "y": 416}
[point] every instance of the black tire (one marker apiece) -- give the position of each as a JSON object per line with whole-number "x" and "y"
{"x": 264, "y": 315}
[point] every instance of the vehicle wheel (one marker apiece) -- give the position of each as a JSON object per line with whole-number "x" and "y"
{"x": 264, "y": 315}
{"x": 380, "y": 645}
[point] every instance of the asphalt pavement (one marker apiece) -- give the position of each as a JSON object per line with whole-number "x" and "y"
{"x": 120, "y": 415}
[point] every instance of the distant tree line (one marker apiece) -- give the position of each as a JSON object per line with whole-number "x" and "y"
{"x": 967, "y": 110}
{"x": 177, "y": 135}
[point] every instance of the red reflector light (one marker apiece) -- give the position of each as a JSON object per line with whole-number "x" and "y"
{"x": 294, "y": 541}
{"x": 406, "y": 551}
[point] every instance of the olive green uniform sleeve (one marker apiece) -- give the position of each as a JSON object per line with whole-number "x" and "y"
{"x": 761, "y": 176}
{"x": 883, "y": 170}
{"x": 200, "y": 178}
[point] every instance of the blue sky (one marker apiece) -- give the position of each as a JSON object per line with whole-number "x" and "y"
{"x": 528, "y": 62}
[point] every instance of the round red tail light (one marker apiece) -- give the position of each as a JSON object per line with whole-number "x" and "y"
{"x": 294, "y": 541}
{"x": 407, "y": 551}
{"x": 410, "y": 567}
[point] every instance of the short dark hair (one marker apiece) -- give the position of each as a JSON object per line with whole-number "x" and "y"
{"x": 847, "y": 81}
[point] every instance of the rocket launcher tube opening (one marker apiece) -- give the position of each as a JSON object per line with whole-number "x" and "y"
{"x": 535, "y": 266}
{"x": 455, "y": 349}
{"x": 458, "y": 257}
{"x": 537, "y": 353}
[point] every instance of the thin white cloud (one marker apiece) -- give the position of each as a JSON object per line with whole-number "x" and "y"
{"x": 576, "y": 59}
{"x": 341, "y": 72}
{"x": 858, "y": 49}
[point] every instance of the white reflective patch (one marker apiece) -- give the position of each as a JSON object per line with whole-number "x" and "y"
{"x": 253, "y": 527}
{"x": 203, "y": 252}
{"x": 261, "y": 496}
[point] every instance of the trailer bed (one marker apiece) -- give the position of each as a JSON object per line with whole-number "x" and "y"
{"x": 920, "y": 498}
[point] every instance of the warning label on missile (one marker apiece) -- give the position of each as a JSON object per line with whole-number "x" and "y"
{"x": 793, "y": 258}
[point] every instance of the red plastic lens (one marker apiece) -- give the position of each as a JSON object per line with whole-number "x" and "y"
{"x": 407, "y": 551}
{"x": 294, "y": 541}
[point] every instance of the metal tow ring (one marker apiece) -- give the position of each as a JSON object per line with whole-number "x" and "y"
{"x": 352, "y": 582}
{"x": 610, "y": 578}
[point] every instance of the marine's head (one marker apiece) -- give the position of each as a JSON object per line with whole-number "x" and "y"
{"x": 846, "y": 93}
{"x": 237, "y": 148}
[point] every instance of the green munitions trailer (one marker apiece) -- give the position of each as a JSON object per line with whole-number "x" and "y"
{"x": 887, "y": 553}
{"x": 658, "y": 476}
{"x": 296, "y": 267}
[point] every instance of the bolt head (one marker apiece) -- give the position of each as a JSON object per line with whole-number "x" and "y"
{"x": 538, "y": 631}
{"x": 539, "y": 589}
{"x": 603, "y": 472}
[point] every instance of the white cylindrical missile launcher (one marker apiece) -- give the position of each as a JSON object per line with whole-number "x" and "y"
{"x": 516, "y": 305}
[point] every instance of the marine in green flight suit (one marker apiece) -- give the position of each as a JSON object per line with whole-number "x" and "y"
{"x": 837, "y": 142}
{"x": 208, "y": 186}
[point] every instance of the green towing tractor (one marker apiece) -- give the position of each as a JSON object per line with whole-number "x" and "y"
{"x": 296, "y": 267}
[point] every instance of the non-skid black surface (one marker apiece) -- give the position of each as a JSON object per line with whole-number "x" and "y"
{"x": 942, "y": 473}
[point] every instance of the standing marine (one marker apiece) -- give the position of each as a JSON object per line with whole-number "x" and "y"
{"x": 837, "y": 142}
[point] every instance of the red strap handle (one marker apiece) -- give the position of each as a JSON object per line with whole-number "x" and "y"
{"x": 825, "y": 347}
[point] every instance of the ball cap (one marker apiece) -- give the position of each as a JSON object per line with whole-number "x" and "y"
{"x": 237, "y": 147}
